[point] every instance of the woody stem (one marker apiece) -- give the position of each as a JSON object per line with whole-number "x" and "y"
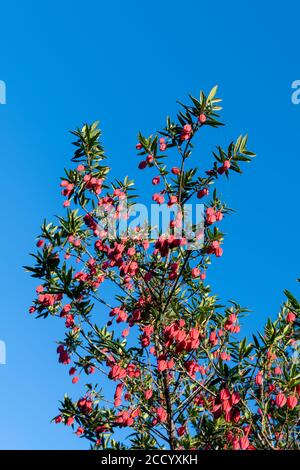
{"x": 171, "y": 427}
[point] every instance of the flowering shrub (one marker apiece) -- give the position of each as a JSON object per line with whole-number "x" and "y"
{"x": 182, "y": 377}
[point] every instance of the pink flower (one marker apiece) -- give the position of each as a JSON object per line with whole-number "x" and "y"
{"x": 281, "y": 400}
{"x": 70, "y": 421}
{"x": 80, "y": 431}
{"x": 195, "y": 272}
{"x": 202, "y": 118}
{"x": 215, "y": 248}
{"x": 219, "y": 216}
{"x": 225, "y": 167}
{"x": 292, "y": 401}
{"x": 224, "y": 394}
{"x": 181, "y": 431}
{"x": 131, "y": 251}
{"x": 203, "y": 192}
{"x": 235, "y": 398}
{"x": 175, "y": 170}
{"x": 291, "y": 317}
{"x": 158, "y": 198}
{"x": 172, "y": 201}
{"x": 69, "y": 321}
{"x": 118, "y": 395}
{"x": 161, "y": 415}
{"x": 85, "y": 405}
{"x": 120, "y": 314}
{"x": 162, "y": 144}
{"x": 162, "y": 363}
{"x": 259, "y": 378}
{"x": 156, "y": 180}
{"x": 142, "y": 165}
{"x": 148, "y": 394}
{"x": 186, "y": 132}
{"x": 117, "y": 373}
{"x": 149, "y": 159}
{"x": 210, "y": 216}
{"x": 244, "y": 443}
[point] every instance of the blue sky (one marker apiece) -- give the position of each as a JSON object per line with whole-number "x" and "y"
{"x": 126, "y": 63}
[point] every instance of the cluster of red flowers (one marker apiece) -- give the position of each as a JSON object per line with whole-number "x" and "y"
{"x": 226, "y": 403}
{"x": 186, "y": 132}
{"x": 93, "y": 184}
{"x": 166, "y": 243}
{"x": 126, "y": 417}
{"x": 183, "y": 345}
{"x": 64, "y": 357}
{"x": 175, "y": 334}
{"x": 118, "y": 372}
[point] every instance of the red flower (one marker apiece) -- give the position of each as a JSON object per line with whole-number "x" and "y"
{"x": 117, "y": 373}
{"x": 235, "y": 398}
{"x": 225, "y": 394}
{"x": 162, "y": 144}
{"x": 195, "y": 272}
{"x": 148, "y": 394}
{"x": 120, "y": 314}
{"x": 158, "y": 198}
{"x": 203, "y": 192}
{"x": 118, "y": 395}
{"x": 292, "y": 401}
{"x": 186, "y": 132}
{"x": 156, "y": 180}
{"x": 259, "y": 378}
{"x": 124, "y": 419}
{"x": 280, "y": 400}
{"x": 202, "y": 118}
{"x": 142, "y": 165}
{"x": 70, "y": 421}
{"x": 210, "y": 216}
{"x": 175, "y": 170}
{"x": 244, "y": 443}
{"x": 291, "y": 317}
{"x": 181, "y": 431}
{"x": 80, "y": 431}
{"x": 161, "y": 415}
{"x": 85, "y": 405}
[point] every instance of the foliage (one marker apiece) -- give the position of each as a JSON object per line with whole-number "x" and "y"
{"x": 183, "y": 378}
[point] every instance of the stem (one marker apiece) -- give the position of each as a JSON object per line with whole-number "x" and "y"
{"x": 171, "y": 426}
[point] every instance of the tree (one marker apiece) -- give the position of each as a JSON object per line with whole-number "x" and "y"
{"x": 183, "y": 379}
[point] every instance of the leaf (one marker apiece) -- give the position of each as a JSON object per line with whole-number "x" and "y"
{"x": 212, "y": 93}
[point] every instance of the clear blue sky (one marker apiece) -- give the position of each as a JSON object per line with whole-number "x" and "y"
{"x": 126, "y": 63}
